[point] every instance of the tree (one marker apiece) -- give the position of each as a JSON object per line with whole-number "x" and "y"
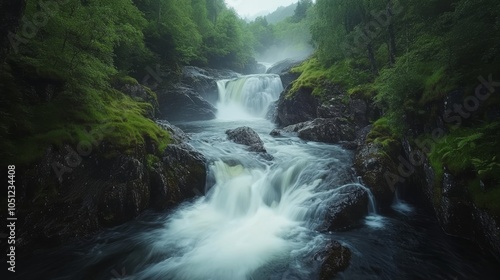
{"x": 301, "y": 10}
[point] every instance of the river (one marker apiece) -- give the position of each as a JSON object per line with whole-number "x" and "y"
{"x": 258, "y": 217}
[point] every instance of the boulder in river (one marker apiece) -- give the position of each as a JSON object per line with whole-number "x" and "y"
{"x": 350, "y": 207}
{"x": 248, "y": 137}
{"x": 335, "y": 258}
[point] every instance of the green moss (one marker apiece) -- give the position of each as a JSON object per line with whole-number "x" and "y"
{"x": 313, "y": 74}
{"x": 472, "y": 152}
{"x": 487, "y": 198}
{"x": 151, "y": 160}
{"x": 437, "y": 85}
{"x": 382, "y": 133}
{"x": 72, "y": 116}
{"x": 365, "y": 91}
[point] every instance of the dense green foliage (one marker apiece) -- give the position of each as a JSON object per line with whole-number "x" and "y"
{"x": 410, "y": 55}
{"x": 58, "y": 81}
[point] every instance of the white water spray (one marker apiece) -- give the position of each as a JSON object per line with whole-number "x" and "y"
{"x": 248, "y": 96}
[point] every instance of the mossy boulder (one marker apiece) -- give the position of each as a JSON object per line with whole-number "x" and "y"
{"x": 142, "y": 93}
{"x": 374, "y": 165}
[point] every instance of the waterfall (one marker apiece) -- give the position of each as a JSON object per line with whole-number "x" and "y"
{"x": 248, "y": 96}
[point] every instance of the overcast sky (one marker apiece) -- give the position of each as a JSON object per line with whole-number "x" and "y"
{"x": 250, "y": 8}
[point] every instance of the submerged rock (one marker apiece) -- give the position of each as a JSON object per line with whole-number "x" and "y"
{"x": 335, "y": 258}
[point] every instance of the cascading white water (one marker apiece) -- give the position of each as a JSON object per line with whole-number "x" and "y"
{"x": 247, "y": 96}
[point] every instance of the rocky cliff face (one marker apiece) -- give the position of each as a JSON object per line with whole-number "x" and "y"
{"x": 194, "y": 97}
{"x": 334, "y": 117}
{"x": 69, "y": 195}
{"x": 337, "y": 118}
{"x": 453, "y": 205}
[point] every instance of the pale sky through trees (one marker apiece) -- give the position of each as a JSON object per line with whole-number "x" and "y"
{"x": 250, "y": 8}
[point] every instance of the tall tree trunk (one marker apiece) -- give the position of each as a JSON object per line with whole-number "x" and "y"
{"x": 392, "y": 35}
{"x": 371, "y": 57}
{"x": 11, "y": 13}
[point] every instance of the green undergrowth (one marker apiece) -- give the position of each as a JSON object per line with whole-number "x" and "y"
{"x": 472, "y": 152}
{"x": 383, "y": 134}
{"x": 75, "y": 115}
{"x": 313, "y": 75}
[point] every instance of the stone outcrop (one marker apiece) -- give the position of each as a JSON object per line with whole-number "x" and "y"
{"x": 283, "y": 68}
{"x": 65, "y": 195}
{"x": 374, "y": 166}
{"x": 204, "y": 81}
{"x": 300, "y": 107}
{"x": 451, "y": 200}
{"x": 350, "y": 206}
{"x": 334, "y": 258}
{"x": 248, "y": 137}
{"x": 324, "y": 130}
{"x": 181, "y": 103}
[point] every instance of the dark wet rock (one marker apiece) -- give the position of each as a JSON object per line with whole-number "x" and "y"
{"x": 300, "y": 107}
{"x": 272, "y": 111}
{"x": 186, "y": 172}
{"x": 349, "y": 145}
{"x": 350, "y": 206}
{"x": 248, "y": 137}
{"x": 65, "y": 195}
{"x": 335, "y": 258}
{"x": 283, "y": 68}
{"x": 275, "y": 132}
{"x": 331, "y": 102}
{"x": 452, "y": 203}
{"x": 183, "y": 103}
{"x": 254, "y": 68}
{"x": 204, "y": 81}
{"x": 375, "y": 166}
{"x": 324, "y": 130}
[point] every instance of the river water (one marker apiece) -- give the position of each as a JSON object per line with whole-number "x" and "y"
{"x": 258, "y": 217}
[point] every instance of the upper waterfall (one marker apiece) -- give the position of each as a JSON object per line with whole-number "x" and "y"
{"x": 248, "y": 96}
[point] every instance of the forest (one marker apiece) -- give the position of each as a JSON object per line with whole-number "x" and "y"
{"x": 406, "y": 89}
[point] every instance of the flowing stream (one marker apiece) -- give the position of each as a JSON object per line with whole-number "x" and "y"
{"x": 258, "y": 217}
